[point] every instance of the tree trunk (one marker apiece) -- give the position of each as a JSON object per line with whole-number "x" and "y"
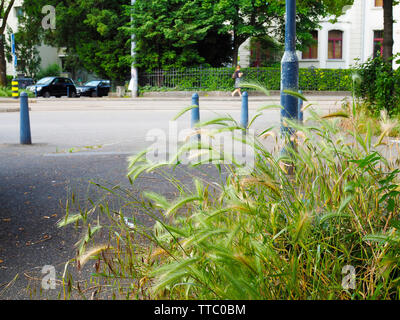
{"x": 235, "y": 54}
{"x": 388, "y": 30}
{"x": 3, "y": 64}
{"x": 5, "y": 10}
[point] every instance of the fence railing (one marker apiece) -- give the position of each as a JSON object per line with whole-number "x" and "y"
{"x": 220, "y": 79}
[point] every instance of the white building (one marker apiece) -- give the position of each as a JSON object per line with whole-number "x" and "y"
{"x": 49, "y": 55}
{"x": 357, "y": 35}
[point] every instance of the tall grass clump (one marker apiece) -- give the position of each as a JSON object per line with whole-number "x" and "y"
{"x": 259, "y": 234}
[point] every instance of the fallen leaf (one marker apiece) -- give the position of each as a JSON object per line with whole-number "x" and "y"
{"x": 7, "y": 220}
{"x": 54, "y": 215}
{"x": 1, "y": 261}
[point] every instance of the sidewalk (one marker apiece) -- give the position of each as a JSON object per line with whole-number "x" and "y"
{"x": 11, "y": 104}
{"x": 170, "y": 101}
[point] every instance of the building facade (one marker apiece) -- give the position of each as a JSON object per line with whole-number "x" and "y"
{"x": 356, "y": 36}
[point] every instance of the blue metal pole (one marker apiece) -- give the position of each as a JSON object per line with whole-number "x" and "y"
{"x": 289, "y": 68}
{"x": 195, "y": 112}
{"x": 300, "y": 114}
{"x": 67, "y": 91}
{"x": 25, "y": 128}
{"x": 245, "y": 110}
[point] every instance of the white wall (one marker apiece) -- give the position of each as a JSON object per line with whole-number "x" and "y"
{"x": 358, "y": 25}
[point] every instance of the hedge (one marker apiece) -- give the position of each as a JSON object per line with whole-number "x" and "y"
{"x": 220, "y": 79}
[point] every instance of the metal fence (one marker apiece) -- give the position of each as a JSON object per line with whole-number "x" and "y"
{"x": 220, "y": 79}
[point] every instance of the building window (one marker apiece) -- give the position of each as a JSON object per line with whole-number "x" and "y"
{"x": 312, "y": 51}
{"x": 335, "y": 44}
{"x": 19, "y": 12}
{"x": 378, "y": 43}
{"x": 378, "y": 3}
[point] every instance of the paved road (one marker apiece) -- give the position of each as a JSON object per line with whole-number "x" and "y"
{"x": 76, "y": 141}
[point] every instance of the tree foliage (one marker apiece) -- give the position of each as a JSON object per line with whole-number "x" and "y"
{"x": 89, "y": 30}
{"x": 168, "y": 33}
{"x": 179, "y": 33}
{"x": 26, "y": 50}
{"x": 167, "y": 30}
{"x": 5, "y": 9}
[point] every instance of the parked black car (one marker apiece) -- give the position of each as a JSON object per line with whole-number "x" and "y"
{"x": 94, "y": 88}
{"x": 54, "y": 86}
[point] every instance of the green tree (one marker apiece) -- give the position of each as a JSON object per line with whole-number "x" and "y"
{"x": 89, "y": 31}
{"x": 168, "y": 33}
{"x": 5, "y": 9}
{"x": 26, "y": 40}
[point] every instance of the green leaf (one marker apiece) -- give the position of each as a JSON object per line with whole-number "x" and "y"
{"x": 182, "y": 112}
{"x": 295, "y": 94}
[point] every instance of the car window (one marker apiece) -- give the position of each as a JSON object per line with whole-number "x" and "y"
{"x": 45, "y": 81}
{"x": 92, "y": 83}
{"x": 59, "y": 81}
{"x": 68, "y": 81}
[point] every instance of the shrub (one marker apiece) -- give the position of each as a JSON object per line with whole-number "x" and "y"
{"x": 213, "y": 79}
{"x": 5, "y": 92}
{"x": 52, "y": 70}
{"x": 379, "y": 86}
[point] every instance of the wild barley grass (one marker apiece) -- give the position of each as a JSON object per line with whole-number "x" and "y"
{"x": 264, "y": 235}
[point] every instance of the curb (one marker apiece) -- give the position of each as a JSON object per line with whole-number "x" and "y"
{"x": 9, "y": 109}
{"x": 3, "y": 110}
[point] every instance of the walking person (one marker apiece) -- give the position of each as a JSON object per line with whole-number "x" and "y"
{"x": 237, "y": 75}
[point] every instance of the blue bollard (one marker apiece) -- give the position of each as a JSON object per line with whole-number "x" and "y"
{"x": 68, "y": 91}
{"x": 289, "y": 68}
{"x": 195, "y": 112}
{"x": 25, "y": 128}
{"x": 300, "y": 114}
{"x": 245, "y": 110}
{"x": 36, "y": 93}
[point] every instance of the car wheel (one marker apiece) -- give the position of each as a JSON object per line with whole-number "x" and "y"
{"x": 73, "y": 95}
{"x": 94, "y": 94}
{"x": 46, "y": 94}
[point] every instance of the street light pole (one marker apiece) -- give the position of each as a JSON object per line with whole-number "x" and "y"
{"x": 133, "y": 85}
{"x": 289, "y": 69}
